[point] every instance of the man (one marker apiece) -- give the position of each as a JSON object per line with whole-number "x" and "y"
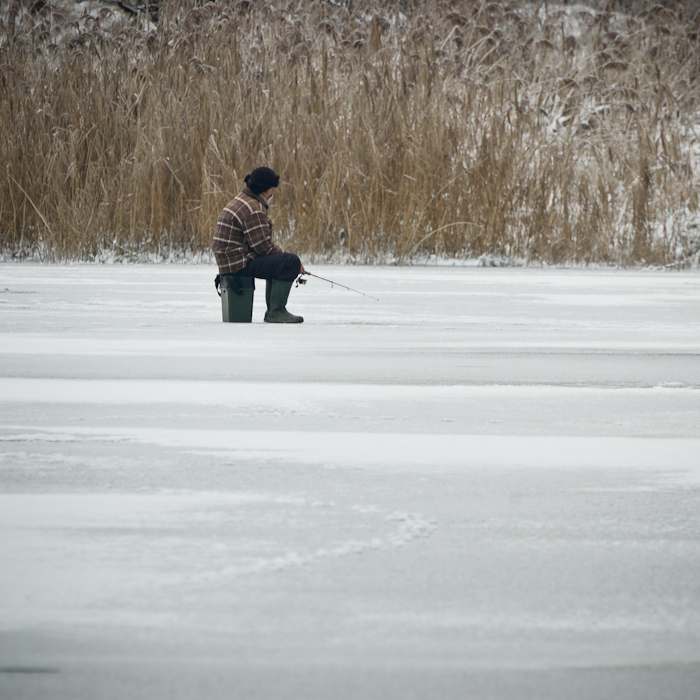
{"x": 243, "y": 245}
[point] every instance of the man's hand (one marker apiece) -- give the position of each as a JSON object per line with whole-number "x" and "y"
{"x": 302, "y": 271}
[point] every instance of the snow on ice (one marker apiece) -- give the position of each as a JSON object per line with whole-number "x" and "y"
{"x": 486, "y": 485}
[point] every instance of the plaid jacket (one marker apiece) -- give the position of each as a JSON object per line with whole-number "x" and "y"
{"x": 243, "y": 232}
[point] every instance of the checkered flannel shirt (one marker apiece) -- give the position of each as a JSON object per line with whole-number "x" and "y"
{"x": 243, "y": 232}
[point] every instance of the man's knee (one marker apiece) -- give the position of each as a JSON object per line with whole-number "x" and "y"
{"x": 294, "y": 264}
{"x": 288, "y": 268}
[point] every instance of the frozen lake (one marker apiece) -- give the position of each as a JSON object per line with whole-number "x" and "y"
{"x": 484, "y": 486}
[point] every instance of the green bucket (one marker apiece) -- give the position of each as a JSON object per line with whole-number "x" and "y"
{"x": 237, "y": 298}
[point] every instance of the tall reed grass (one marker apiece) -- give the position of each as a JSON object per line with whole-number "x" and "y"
{"x": 434, "y": 127}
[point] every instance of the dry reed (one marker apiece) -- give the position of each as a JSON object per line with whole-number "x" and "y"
{"x": 456, "y": 128}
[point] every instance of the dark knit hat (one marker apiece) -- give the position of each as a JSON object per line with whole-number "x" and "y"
{"x": 261, "y": 179}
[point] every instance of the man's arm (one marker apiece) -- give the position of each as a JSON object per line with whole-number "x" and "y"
{"x": 258, "y": 234}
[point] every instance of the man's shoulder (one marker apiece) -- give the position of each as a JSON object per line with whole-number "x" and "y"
{"x": 244, "y": 203}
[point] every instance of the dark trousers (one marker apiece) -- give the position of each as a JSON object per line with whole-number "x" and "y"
{"x": 275, "y": 266}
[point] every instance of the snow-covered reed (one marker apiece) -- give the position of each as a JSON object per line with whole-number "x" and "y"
{"x": 449, "y": 127}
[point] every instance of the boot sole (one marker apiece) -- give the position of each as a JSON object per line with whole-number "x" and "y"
{"x": 267, "y": 320}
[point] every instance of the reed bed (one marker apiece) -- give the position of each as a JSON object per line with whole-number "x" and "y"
{"x": 449, "y": 128}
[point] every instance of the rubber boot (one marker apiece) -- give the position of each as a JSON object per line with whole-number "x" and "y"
{"x": 276, "y": 295}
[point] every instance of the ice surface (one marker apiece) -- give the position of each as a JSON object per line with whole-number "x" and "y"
{"x": 486, "y": 485}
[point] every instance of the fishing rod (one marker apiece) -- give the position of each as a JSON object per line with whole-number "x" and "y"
{"x": 335, "y": 284}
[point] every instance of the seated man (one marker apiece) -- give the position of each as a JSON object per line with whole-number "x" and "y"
{"x": 243, "y": 245}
